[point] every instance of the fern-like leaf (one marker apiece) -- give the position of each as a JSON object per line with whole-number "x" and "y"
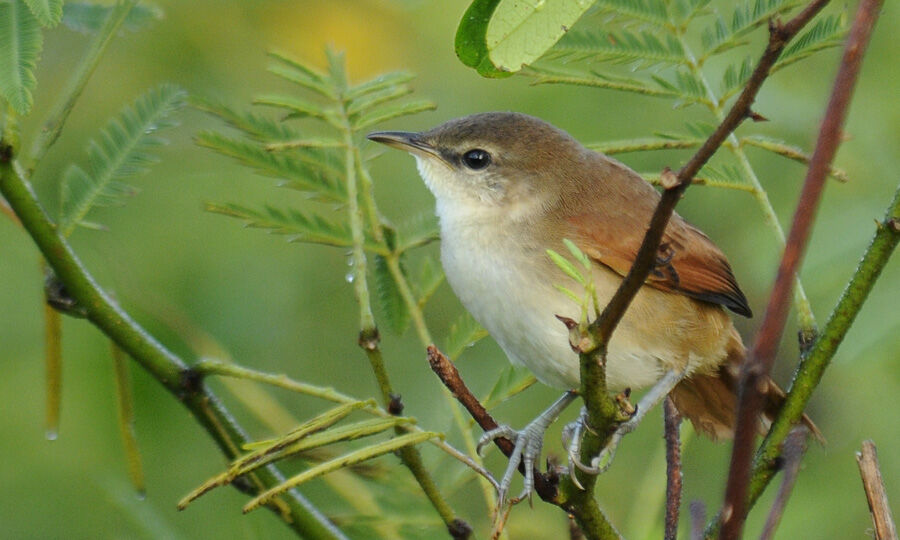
{"x": 89, "y": 18}
{"x": 735, "y": 77}
{"x": 643, "y": 48}
{"x": 421, "y": 230}
{"x": 256, "y": 126}
{"x": 121, "y": 151}
{"x": 302, "y": 74}
{"x": 296, "y": 225}
{"x": 298, "y": 107}
{"x": 390, "y": 302}
{"x": 21, "y": 42}
{"x": 429, "y": 278}
{"x": 825, "y": 34}
{"x": 548, "y": 75}
{"x": 685, "y": 86}
{"x": 789, "y": 151}
{"x": 371, "y": 99}
{"x": 511, "y": 382}
{"x": 382, "y": 82}
{"x": 746, "y": 17}
{"x": 646, "y": 11}
{"x": 644, "y": 144}
{"x": 48, "y": 12}
{"x": 464, "y": 333}
{"x": 297, "y": 173}
{"x": 387, "y": 112}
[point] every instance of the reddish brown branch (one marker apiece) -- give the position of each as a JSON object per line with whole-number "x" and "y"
{"x": 449, "y": 375}
{"x": 794, "y": 448}
{"x": 779, "y": 36}
{"x": 673, "y": 467}
{"x": 885, "y": 529}
{"x": 762, "y": 355}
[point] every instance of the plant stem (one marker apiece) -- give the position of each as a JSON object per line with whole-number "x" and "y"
{"x": 53, "y": 126}
{"x": 162, "y": 364}
{"x": 804, "y": 310}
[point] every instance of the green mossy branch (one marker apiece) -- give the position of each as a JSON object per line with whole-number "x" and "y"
{"x": 167, "y": 368}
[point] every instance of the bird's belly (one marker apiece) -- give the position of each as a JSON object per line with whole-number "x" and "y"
{"x": 519, "y": 310}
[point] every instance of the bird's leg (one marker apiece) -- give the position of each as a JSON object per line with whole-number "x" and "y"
{"x": 601, "y": 462}
{"x": 529, "y": 442}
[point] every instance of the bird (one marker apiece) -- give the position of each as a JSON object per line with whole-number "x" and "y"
{"x": 508, "y": 187}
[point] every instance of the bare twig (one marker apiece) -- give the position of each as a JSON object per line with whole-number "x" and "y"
{"x": 449, "y": 375}
{"x": 885, "y": 529}
{"x": 779, "y": 36}
{"x": 698, "y": 518}
{"x": 794, "y": 448}
{"x": 762, "y": 355}
{"x": 673, "y": 467}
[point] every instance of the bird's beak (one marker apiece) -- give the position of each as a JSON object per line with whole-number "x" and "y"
{"x": 407, "y": 141}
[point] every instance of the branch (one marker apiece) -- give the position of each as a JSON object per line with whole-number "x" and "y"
{"x": 875, "y": 493}
{"x": 167, "y": 368}
{"x": 779, "y": 36}
{"x": 794, "y": 448}
{"x": 448, "y": 374}
{"x": 673, "y": 467}
{"x": 756, "y": 368}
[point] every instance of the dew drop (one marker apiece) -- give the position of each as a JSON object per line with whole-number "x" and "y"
{"x": 349, "y": 277}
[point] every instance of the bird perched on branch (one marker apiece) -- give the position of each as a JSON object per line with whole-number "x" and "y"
{"x": 509, "y": 187}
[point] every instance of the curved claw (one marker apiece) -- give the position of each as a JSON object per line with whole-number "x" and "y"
{"x": 502, "y": 431}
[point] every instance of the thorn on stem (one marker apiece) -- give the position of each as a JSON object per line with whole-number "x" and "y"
{"x": 395, "y": 407}
{"x": 668, "y": 179}
{"x": 756, "y": 117}
{"x": 369, "y": 339}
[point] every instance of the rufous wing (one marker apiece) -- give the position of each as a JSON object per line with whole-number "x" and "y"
{"x": 687, "y": 261}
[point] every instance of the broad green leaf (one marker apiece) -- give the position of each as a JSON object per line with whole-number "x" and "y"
{"x": 390, "y": 303}
{"x": 89, "y": 18}
{"x": 298, "y": 172}
{"x": 471, "y": 38}
{"x": 296, "y": 225}
{"x": 48, "y": 12}
{"x": 521, "y": 32}
{"x": 21, "y": 42}
{"x": 121, "y": 151}
{"x": 387, "y": 112}
{"x": 363, "y": 454}
{"x": 464, "y": 333}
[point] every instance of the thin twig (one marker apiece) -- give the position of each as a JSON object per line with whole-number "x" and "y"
{"x": 449, "y": 375}
{"x": 794, "y": 448}
{"x": 873, "y": 483}
{"x": 761, "y": 357}
{"x": 698, "y": 518}
{"x": 672, "y": 422}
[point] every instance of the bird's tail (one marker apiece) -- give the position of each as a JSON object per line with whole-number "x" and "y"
{"x": 710, "y": 400}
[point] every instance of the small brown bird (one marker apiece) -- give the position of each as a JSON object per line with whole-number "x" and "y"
{"x": 508, "y": 188}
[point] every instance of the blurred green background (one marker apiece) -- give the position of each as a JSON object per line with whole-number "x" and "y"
{"x": 287, "y": 308}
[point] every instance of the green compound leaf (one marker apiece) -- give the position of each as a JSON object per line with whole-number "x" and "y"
{"x": 122, "y": 150}
{"x": 48, "y": 12}
{"x": 89, "y": 18}
{"x": 21, "y": 42}
{"x": 390, "y": 302}
{"x": 499, "y": 37}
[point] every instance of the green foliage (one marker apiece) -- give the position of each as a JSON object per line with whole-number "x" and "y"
{"x": 89, "y": 18}
{"x": 121, "y": 151}
{"x": 389, "y": 299}
{"x": 48, "y": 12}
{"x": 464, "y": 333}
{"x": 21, "y": 41}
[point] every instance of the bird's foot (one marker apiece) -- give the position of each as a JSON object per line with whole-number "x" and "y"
{"x": 574, "y": 432}
{"x": 528, "y": 444}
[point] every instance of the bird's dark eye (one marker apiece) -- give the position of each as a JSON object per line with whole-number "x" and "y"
{"x": 476, "y": 159}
